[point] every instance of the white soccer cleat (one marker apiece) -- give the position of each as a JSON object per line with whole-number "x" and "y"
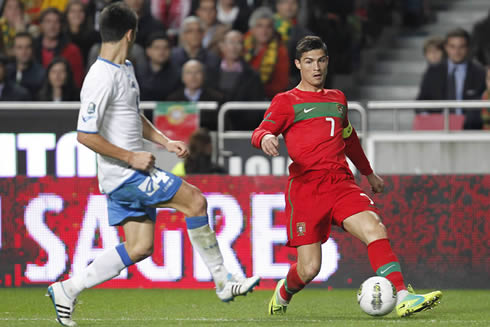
{"x": 63, "y": 305}
{"x": 237, "y": 286}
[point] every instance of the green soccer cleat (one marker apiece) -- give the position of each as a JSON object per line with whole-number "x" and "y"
{"x": 275, "y": 308}
{"x": 413, "y": 303}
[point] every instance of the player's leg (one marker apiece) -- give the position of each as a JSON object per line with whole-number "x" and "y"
{"x": 190, "y": 201}
{"x": 299, "y": 275}
{"x": 139, "y": 233}
{"x": 368, "y": 228}
{"x": 308, "y": 226}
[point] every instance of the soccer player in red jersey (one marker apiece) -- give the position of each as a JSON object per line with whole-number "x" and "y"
{"x": 321, "y": 189}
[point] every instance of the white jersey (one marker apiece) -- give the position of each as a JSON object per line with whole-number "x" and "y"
{"x": 110, "y": 107}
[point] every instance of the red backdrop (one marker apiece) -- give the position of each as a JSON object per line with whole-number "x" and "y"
{"x": 439, "y": 227}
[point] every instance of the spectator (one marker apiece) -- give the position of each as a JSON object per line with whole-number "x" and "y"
{"x": 11, "y": 22}
{"x": 171, "y": 14}
{"x": 229, "y": 13}
{"x": 59, "y": 84}
{"x": 80, "y": 32}
{"x": 485, "y": 113}
{"x": 194, "y": 90}
{"x": 285, "y": 23}
{"x": 481, "y": 40}
{"x": 457, "y": 78}
{"x": 158, "y": 77}
{"x": 10, "y": 91}
{"x": 236, "y": 79}
{"x": 238, "y": 82}
{"x": 25, "y": 70}
{"x": 265, "y": 52}
{"x": 434, "y": 50}
{"x": 329, "y": 20}
{"x": 190, "y": 39}
{"x": 53, "y": 43}
{"x": 146, "y": 23}
{"x": 213, "y": 30}
{"x": 199, "y": 159}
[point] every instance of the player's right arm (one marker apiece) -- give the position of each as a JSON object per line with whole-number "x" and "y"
{"x": 278, "y": 117}
{"x": 96, "y": 96}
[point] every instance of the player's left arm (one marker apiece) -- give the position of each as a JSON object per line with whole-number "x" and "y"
{"x": 151, "y": 133}
{"x": 355, "y": 153}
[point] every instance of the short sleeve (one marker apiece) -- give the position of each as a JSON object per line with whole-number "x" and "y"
{"x": 95, "y": 97}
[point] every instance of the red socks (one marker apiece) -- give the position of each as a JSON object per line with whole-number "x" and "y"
{"x": 385, "y": 263}
{"x": 293, "y": 284}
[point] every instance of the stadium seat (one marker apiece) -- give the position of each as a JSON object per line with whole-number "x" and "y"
{"x": 425, "y": 122}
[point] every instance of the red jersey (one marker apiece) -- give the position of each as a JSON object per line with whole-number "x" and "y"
{"x": 316, "y": 130}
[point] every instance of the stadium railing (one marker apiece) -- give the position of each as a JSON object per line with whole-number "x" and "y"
{"x": 397, "y": 106}
{"x": 436, "y": 151}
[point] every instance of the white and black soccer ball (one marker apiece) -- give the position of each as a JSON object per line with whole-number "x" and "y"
{"x": 377, "y": 296}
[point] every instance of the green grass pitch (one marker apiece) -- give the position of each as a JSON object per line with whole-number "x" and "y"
{"x": 311, "y": 307}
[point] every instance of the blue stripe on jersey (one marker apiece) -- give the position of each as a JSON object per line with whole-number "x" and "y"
{"x": 79, "y": 130}
{"x": 108, "y": 61}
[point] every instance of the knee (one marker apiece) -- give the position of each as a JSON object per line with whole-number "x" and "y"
{"x": 375, "y": 232}
{"x": 199, "y": 204}
{"x": 309, "y": 271}
{"x": 140, "y": 251}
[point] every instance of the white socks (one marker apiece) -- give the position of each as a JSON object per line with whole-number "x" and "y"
{"x": 400, "y": 295}
{"x": 204, "y": 240}
{"x": 106, "y": 266}
{"x": 281, "y": 300}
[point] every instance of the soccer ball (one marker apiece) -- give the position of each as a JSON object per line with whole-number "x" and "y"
{"x": 377, "y": 296}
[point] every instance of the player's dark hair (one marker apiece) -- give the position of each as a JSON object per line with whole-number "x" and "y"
{"x": 309, "y": 43}
{"x": 115, "y": 21}
{"x": 459, "y": 32}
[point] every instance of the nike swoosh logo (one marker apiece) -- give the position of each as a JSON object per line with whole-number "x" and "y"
{"x": 308, "y": 110}
{"x": 383, "y": 271}
{"x": 85, "y": 119}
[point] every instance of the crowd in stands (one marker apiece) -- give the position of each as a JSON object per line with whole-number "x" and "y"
{"x": 185, "y": 50}
{"x": 218, "y": 50}
{"x": 458, "y": 69}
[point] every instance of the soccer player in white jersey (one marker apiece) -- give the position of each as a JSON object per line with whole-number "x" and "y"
{"x": 111, "y": 124}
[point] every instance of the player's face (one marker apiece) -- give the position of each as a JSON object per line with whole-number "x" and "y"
{"x": 57, "y": 75}
{"x": 23, "y": 49}
{"x": 232, "y": 46}
{"x": 456, "y": 49}
{"x": 159, "y": 52}
{"x": 313, "y": 67}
